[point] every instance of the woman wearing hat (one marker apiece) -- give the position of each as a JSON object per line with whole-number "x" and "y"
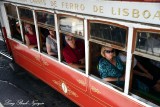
{"x": 30, "y": 36}
{"x": 110, "y": 67}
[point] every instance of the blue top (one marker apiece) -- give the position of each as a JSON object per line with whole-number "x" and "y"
{"x": 107, "y": 69}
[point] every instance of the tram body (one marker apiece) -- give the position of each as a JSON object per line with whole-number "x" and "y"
{"x": 81, "y": 87}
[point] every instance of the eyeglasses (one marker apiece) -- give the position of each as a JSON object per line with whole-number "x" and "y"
{"x": 109, "y": 51}
{"x": 70, "y": 39}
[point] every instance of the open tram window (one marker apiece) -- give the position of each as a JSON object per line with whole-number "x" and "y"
{"x": 106, "y": 43}
{"x": 47, "y": 33}
{"x": 72, "y": 41}
{"x": 148, "y": 42}
{"x": 13, "y": 22}
{"x": 146, "y": 78}
{"x": 29, "y": 34}
{"x": 108, "y": 33}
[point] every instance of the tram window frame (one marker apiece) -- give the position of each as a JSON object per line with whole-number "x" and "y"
{"x": 13, "y": 22}
{"x": 25, "y": 21}
{"x": 144, "y": 52}
{"x": 63, "y": 42}
{"x": 104, "y": 42}
{"x": 95, "y": 73}
{"x": 46, "y": 27}
{"x": 145, "y": 60}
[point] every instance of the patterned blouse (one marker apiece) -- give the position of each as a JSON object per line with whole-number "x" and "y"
{"x": 107, "y": 69}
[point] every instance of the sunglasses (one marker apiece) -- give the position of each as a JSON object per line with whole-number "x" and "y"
{"x": 109, "y": 51}
{"x": 70, "y": 39}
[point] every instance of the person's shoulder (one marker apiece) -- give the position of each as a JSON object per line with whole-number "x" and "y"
{"x": 65, "y": 49}
{"x": 102, "y": 60}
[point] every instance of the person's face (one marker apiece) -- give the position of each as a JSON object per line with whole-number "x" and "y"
{"x": 71, "y": 41}
{"x": 51, "y": 32}
{"x": 29, "y": 28}
{"x": 109, "y": 53}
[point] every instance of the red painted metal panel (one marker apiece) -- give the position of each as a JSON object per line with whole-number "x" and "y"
{"x": 65, "y": 73}
{"x": 109, "y": 96}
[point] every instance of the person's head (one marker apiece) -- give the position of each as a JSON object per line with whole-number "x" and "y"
{"x": 28, "y": 27}
{"x": 51, "y": 32}
{"x": 70, "y": 41}
{"x": 107, "y": 52}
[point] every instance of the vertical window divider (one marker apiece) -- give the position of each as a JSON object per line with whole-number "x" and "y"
{"x": 36, "y": 29}
{"x": 19, "y": 21}
{"x": 6, "y": 19}
{"x": 58, "y": 38}
{"x": 86, "y": 46}
{"x": 129, "y": 60}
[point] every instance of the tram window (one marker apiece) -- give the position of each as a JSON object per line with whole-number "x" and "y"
{"x": 108, "y": 33}
{"x": 148, "y": 42}
{"x": 71, "y": 25}
{"x": 73, "y": 51}
{"x": 30, "y": 35}
{"x": 13, "y": 22}
{"x": 146, "y": 78}
{"x": 26, "y": 14}
{"x": 11, "y": 10}
{"x": 48, "y": 41}
{"x": 45, "y": 18}
{"x": 106, "y": 64}
{"x": 15, "y": 29}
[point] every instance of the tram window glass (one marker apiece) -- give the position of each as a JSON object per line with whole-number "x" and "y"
{"x": 148, "y": 42}
{"x": 11, "y": 10}
{"x": 25, "y": 14}
{"x": 45, "y": 18}
{"x": 71, "y": 25}
{"x": 108, "y": 33}
{"x": 146, "y": 78}
{"x": 13, "y": 22}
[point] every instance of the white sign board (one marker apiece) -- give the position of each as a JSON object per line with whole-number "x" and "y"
{"x": 145, "y": 12}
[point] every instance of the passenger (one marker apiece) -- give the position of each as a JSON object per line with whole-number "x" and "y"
{"x": 74, "y": 52}
{"x": 143, "y": 74}
{"x": 110, "y": 67}
{"x": 30, "y": 36}
{"x": 51, "y": 43}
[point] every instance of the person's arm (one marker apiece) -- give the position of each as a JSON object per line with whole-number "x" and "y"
{"x": 48, "y": 46}
{"x": 109, "y": 79}
{"x": 28, "y": 43}
{"x": 76, "y": 65}
{"x": 145, "y": 72}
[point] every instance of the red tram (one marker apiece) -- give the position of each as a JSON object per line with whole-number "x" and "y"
{"x": 127, "y": 26}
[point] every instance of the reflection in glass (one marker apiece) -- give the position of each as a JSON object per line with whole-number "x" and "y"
{"x": 26, "y": 14}
{"x": 45, "y": 18}
{"x": 108, "y": 33}
{"x": 15, "y": 29}
{"x": 71, "y": 25}
{"x": 11, "y": 10}
{"x": 148, "y": 42}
